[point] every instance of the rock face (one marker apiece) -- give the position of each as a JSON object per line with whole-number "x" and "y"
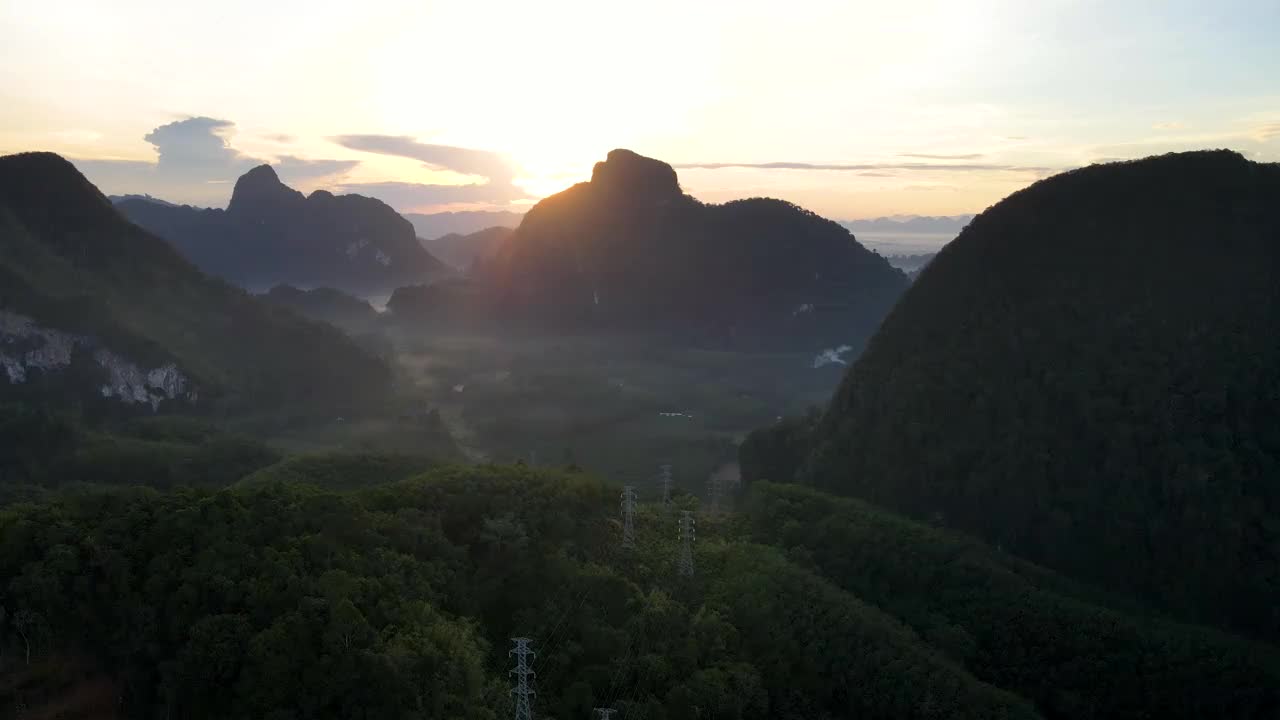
{"x": 629, "y": 251}
{"x": 27, "y": 348}
{"x": 272, "y": 234}
{"x": 95, "y": 308}
{"x": 1089, "y": 376}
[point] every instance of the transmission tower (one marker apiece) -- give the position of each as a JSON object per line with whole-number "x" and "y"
{"x": 664, "y": 482}
{"x": 524, "y": 708}
{"x": 628, "y": 516}
{"x": 715, "y": 488}
{"x": 684, "y": 561}
{"x": 605, "y": 713}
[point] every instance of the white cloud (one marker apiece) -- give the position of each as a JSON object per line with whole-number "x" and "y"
{"x": 197, "y": 165}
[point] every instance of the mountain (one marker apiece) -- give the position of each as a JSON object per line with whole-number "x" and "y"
{"x": 1089, "y": 377}
{"x": 951, "y": 224}
{"x": 94, "y": 309}
{"x": 628, "y": 250}
{"x": 911, "y": 264}
{"x": 117, "y": 199}
{"x": 907, "y": 234}
{"x": 464, "y": 222}
{"x": 271, "y": 234}
{"x": 460, "y": 251}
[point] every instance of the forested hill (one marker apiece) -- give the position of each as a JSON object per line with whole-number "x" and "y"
{"x": 272, "y": 234}
{"x": 463, "y": 251}
{"x": 289, "y": 595}
{"x": 94, "y": 309}
{"x": 630, "y": 251}
{"x": 1088, "y": 376}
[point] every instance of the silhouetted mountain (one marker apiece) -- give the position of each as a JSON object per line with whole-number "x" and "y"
{"x": 1088, "y": 376}
{"x": 630, "y": 251}
{"x": 115, "y": 199}
{"x": 324, "y": 304}
{"x": 911, "y": 264}
{"x": 465, "y": 222}
{"x": 96, "y": 309}
{"x": 460, "y": 251}
{"x": 453, "y": 303}
{"x": 271, "y": 234}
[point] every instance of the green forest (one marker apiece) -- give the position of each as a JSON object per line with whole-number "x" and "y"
{"x": 1089, "y": 377}
{"x": 379, "y": 586}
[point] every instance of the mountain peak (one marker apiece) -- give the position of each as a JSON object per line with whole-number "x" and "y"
{"x": 624, "y": 172}
{"x": 43, "y": 185}
{"x": 260, "y": 190}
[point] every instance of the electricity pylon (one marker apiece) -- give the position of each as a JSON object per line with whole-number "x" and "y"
{"x": 628, "y": 516}
{"x": 715, "y": 488}
{"x": 684, "y": 561}
{"x": 524, "y": 708}
{"x": 605, "y": 713}
{"x": 664, "y": 482}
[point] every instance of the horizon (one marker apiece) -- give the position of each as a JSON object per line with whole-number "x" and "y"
{"x": 940, "y": 110}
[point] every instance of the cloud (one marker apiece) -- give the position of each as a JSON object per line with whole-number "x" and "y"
{"x": 494, "y": 167}
{"x": 300, "y": 170}
{"x": 197, "y": 147}
{"x": 931, "y": 188}
{"x": 407, "y": 196}
{"x": 1168, "y": 126}
{"x": 1264, "y": 133}
{"x": 864, "y": 167}
{"x": 196, "y": 164}
{"x": 446, "y": 157}
{"x": 922, "y": 156}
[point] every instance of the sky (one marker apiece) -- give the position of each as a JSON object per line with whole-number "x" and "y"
{"x": 851, "y": 108}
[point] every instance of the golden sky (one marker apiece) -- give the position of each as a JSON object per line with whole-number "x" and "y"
{"x": 851, "y": 108}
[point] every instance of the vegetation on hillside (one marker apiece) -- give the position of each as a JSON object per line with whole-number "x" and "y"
{"x": 1015, "y": 625}
{"x": 271, "y": 234}
{"x": 630, "y": 252}
{"x": 1089, "y": 377}
{"x": 69, "y": 261}
{"x": 285, "y": 597}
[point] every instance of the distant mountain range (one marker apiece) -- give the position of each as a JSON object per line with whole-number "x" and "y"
{"x": 271, "y": 234}
{"x": 1088, "y": 377}
{"x": 461, "y": 251}
{"x": 99, "y": 313}
{"x": 430, "y": 226}
{"x": 952, "y": 224}
{"x": 116, "y": 199}
{"x": 629, "y": 251}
